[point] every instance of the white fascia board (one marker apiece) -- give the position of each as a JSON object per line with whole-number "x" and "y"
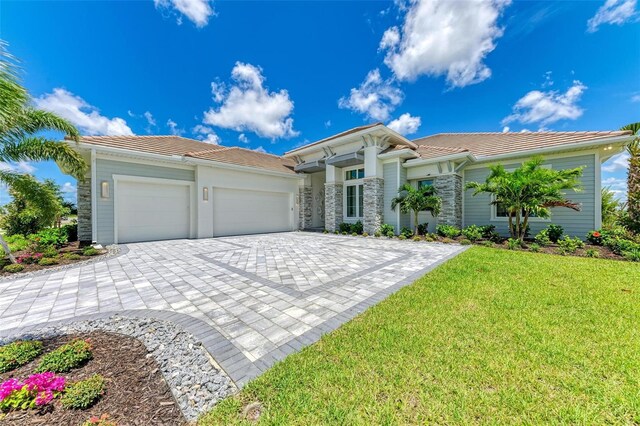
{"x": 402, "y": 153}
{"x": 221, "y": 165}
{"x": 422, "y": 162}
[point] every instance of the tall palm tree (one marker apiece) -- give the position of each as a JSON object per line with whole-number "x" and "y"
{"x": 21, "y": 139}
{"x": 633, "y": 176}
{"x": 416, "y": 200}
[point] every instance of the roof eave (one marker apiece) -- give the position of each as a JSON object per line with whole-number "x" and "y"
{"x": 425, "y": 161}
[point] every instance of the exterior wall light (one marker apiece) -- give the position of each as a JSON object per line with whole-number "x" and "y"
{"x": 104, "y": 189}
{"x": 205, "y": 194}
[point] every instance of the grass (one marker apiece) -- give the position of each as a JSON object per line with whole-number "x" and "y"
{"x": 492, "y": 336}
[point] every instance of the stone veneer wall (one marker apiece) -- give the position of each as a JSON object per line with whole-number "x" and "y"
{"x": 373, "y": 204}
{"x": 84, "y": 211}
{"x": 305, "y": 212}
{"x": 332, "y": 206}
{"x": 450, "y": 190}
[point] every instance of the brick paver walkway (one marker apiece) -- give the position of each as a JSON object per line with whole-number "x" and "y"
{"x": 251, "y": 299}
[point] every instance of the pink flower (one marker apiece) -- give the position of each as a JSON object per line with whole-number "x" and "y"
{"x": 8, "y": 387}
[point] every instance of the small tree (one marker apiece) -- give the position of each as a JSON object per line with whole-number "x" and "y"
{"x": 416, "y": 200}
{"x": 530, "y": 190}
{"x": 610, "y": 206}
{"x": 633, "y": 178}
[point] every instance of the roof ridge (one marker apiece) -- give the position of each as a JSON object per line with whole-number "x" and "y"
{"x": 523, "y": 133}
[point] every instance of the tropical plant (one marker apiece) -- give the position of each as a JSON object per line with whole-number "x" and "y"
{"x": 21, "y": 139}
{"x": 568, "y": 245}
{"x": 407, "y": 232}
{"x": 555, "y": 232}
{"x": 530, "y": 190}
{"x": 472, "y": 232}
{"x": 609, "y": 206}
{"x": 386, "y": 229}
{"x": 633, "y": 177}
{"x": 416, "y": 200}
{"x": 448, "y": 231}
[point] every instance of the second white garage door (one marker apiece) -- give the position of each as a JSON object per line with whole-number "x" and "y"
{"x": 238, "y": 211}
{"x": 152, "y": 211}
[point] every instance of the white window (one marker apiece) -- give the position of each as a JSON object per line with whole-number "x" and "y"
{"x": 425, "y": 182}
{"x": 354, "y": 193}
{"x": 354, "y": 174}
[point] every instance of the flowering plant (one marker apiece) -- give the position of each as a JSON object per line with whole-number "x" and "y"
{"x": 37, "y": 390}
{"x": 29, "y": 258}
{"x": 595, "y": 238}
{"x": 103, "y": 420}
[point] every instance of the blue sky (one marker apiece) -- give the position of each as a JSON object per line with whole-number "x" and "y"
{"x": 274, "y": 75}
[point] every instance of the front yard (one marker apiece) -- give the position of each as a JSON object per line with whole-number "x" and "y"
{"x": 492, "y": 336}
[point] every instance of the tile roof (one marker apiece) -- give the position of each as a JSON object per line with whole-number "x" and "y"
{"x": 176, "y": 145}
{"x": 490, "y": 144}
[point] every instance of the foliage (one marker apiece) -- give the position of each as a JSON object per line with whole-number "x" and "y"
{"x": 448, "y": 231}
{"x": 514, "y": 243}
{"x": 592, "y": 253}
{"x": 29, "y": 258}
{"x": 47, "y": 261}
{"x": 488, "y": 243}
{"x": 50, "y": 252}
{"x": 417, "y": 238}
{"x": 472, "y": 232}
{"x": 489, "y": 232}
{"x": 429, "y": 237}
{"x": 534, "y": 247}
{"x": 18, "y": 353}
{"x": 344, "y": 227}
{"x": 402, "y": 237}
{"x": 356, "y": 228}
{"x": 83, "y": 394}
{"x": 13, "y": 268}
{"x": 56, "y": 237}
{"x": 633, "y": 179}
{"x": 543, "y": 238}
{"x": 610, "y": 206}
{"x": 66, "y": 357}
{"x": 365, "y": 234}
{"x": 354, "y": 234}
{"x": 36, "y": 390}
{"x": 377, "y": 234}
{"x": 620, "y": 245}
{"x": 632, "y": 255}
{"x": 325, "y": 231}
{"x": 423, "y": 228}
{"x": 385, "y": 229}
{"x": 92, "y": 251}
{"x": 465, "y": 242}
{"x": 103, "y": 420}
{"x": 595, "y": 238}
{"x": 416, "y": 200}
{"x": 529, "y": 190}
{"x": 407, "y": 232}
{"x": 568, "y": 245}
{"x": 17, "y": 242}
{"x": 555, "y": 232}
{"x": 71, "y": 256}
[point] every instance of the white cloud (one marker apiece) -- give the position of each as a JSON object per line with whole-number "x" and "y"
{"x": 617, "y": 163}
{"x": 376, "y": 98}
{"x": 616, "y": 185}
{"x": 613, "y": 12}
{"x": 206, "y": 134}
{"x": 68, "y": 188}
{"x": 444, "y": 37}
{"x": 84, "y": 116}
{"x": 505, "y": 129}
{"x": 197, "y": 11}
{"x": 261, "y": 149}
{"x": 173, "y": 128}
{"x": 150, "y": 119}
{"x": 248, "y": 106}
{"x": 635, "y": 98}
{"x": 548, "y": 107}
{"x": 18, "y": 167}
{"x": 548, "y": 80}
{"x": 243, "y": 138}
{"x": 406, "y": 124}
{"x": 327, "y": 123}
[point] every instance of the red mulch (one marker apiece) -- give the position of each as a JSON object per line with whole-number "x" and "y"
{"x": 68, "y": 248}
{"x": 136, "y": 393}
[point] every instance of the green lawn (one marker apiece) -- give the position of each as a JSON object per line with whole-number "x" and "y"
{"x": 492, "y": 336}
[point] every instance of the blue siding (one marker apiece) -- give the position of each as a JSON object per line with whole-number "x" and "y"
{"x": 390, "y": 176}
{"x": 477, "y": 210}
{"x": 105, "y": 169}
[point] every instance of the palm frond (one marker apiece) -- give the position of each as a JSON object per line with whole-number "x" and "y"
{"x": 38, "y": 148}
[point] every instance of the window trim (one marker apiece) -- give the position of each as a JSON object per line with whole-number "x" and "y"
{"x": 357, "y": 183}
{"x": 494, "y": 207}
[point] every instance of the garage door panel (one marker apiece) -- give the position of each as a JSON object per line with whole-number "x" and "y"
{"x": 237, "y": 212}
{"x": 152, "y": 211}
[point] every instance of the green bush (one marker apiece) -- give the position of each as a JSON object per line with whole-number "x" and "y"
{"x": 555, "y": 232}
{"x": 324, "y": 231}
{"x": 620, "y": 245}
{"x": 592, "y": 253}
{"x": 17, "y": 242}
{"x": 18, "y": 353}
{"x": 354, "y": 234}
{"x": 19, "y": 220}
{"x": 595, "y": 238}
{"x": 402, "y": 237}
{"x": 472, "y": 232}
{"x": 514, "y": 244}
{"x": 344, "y": 227}
{"x": 90, "y": 251}
{"x": 390, "y": 234}
{"x": 543, "y": 238}
{"x": 417, "y": 238}
{"x": 357, "y": 228}
{"x": 66, "y": 357}
{"x": 71, "y": 256}
{"x": 423, "y": 229}
{"x": 568, "y": 245}
{"x": 448, "y": 231}
{"x": 429, "y": 237}
{"x": 488, "y": 243}
{"x": 343, "y": 233}
{"x": 365, "y": 234}
{"x": 632, "y": 255}
{"x": 71, "y": 230}
{"x": 465, "y": 242}
{"x": 47, "y": 261}
{"x": 336, "y": 232}
{"x": 534, "y": 247}
{"x": 377, "y": 234}
{"x": 385, "y": 228}
{"x": 407, "y": 232}
{"x": 13, "y": 268}
{"x": 48, "y": 237}
{"x": 83, "y": 394}
{"x": 50, "y": 252}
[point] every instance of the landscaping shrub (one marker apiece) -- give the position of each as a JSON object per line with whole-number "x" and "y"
{"x": 465, "y": 242}
{"x": 56, "y": 237}
{"x": 568, "y": 245}
{"x": 29, "y": 258}
{"x": 66, "y": 357}
{"x": 555, "y": 232}
{"x": 50, "y": 252}
{"x": 354, "y": 234}
{"x": 595, "y": 238}
{"x": 543, "y": 238}
{"x": 407, "y": 232}
{"x": 385, "y": 228}
{"x": 632, "y": 255}
{"x": 83, "y": 394}
{"x": 13, "y": 268}
{"x": 23, "y": 221}
{"x": 90, "y": 251}
{"x": 534, "y": 247}
{"x": 487, "y": 230}
{"x": 18, "y": 353}
{"x": 357, "y": 228}
{"x": 429, "y": 237}
{"x": 336, "y": 232}
{"x": 36, "y": 390}
{"x": 620, "y": 245}
{"x": 390, "y": 234}
{"x": 448, "y": 231}
{"x": 16, "y": 242}
{"x": 71, "y": 230}
{"x": 71, "y": 256}
{"x": 344, "y": 233}
{"x": 514, "y": 244}
{"x": 324, "y": 231}
{"x": 423, "y": 229}
{"x": 378, "y": 234}
{"x": 344, "y": 227}
{"x": 592, "y": 253}
{"x": 103, "y": 420}
{"x": 488, "y": 243}
{"x": 417, "y": 238}
{"x": 47, "y": 261}
{"x": 402, "y": 237}
{"x": 448, "y": 240}
{"x": 472, "y": 232}
{"x": 364, "y": 234}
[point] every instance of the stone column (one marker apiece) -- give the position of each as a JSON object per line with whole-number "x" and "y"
{"x": 305, "y": 212}
{"x": 333, "y": 206}
{"x": 450, "y": 190}
{"x": 373, "y": 204}
{"x": 85, "y": 234}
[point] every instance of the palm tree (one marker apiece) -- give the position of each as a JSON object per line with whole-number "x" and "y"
{"x": 416, "y": 200}
{"x": 21, "y": 139}
{"x": 633, "y": 177}
{"x": 609, "y": 206}
{"x": 530, "y": 190}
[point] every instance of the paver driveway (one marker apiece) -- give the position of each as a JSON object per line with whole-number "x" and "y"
{"x": 250, "y": 299}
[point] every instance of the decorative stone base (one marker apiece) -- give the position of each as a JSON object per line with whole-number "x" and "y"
{"x": 450, "y": 190}
{"x": 373, "y": 204}
{"x": 333, "y": 206}
{"x": 305, "y": 212}
{"x": 84, "y": 211}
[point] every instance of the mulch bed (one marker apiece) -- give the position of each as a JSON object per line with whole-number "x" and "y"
{"x": 68, "y": 248}
{"x": 136, "y": 393}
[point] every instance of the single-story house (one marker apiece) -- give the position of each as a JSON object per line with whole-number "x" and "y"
{"x": 143, "y": 188}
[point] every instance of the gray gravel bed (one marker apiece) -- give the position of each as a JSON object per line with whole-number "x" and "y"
{"x": 196, "y": 381}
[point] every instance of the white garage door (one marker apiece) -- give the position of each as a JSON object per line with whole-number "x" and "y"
{"x": 237, "y": 211}
{"x": 152, "y": 211}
